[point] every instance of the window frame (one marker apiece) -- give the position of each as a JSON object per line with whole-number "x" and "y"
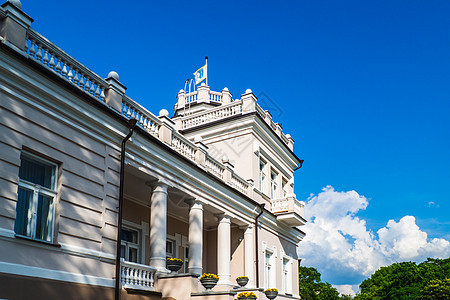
{"x": 262, "y": 175}
{"x": 286, "y": 275}
{"x": 128, "y": 245}
{"x": 37, "y": 190}
{"x": 269, "y": 268}
{"x": 273, "y": 183}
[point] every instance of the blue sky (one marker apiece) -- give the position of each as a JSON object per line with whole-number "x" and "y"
{"x": 363, "y": 86}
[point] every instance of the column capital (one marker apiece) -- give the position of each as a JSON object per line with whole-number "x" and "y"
{"x": 195, "y": 203}
{"x": 159, "y": 185}
{"x": 223, "y": 217}
{"x": 246, "y": 227}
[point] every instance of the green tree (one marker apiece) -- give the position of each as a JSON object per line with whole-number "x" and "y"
{"x": 311, "y": 287}
{"x": 405, "y": 280}
{"x": 436, "y": 290}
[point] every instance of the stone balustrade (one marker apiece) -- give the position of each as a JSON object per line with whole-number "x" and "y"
{"x": 55, "y": 59}
{"x": 133, "y": 110}
{"x": 289, "y": 210}
{"x": 214, "y": 166}
{"x": 137, "y": 276}
{"x": 217, "y": 113}
{"x": 239, "y": 183}
{"x": 183, "y": 145}
{"x": 41, "y": 50}
{"x": 228, "y": 107}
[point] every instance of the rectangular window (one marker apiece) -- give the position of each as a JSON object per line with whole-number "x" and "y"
{"x": 284, "y": 187}
{"x": 35, "y": 210}
{"x": 262, "y": 176}
{"x": 130, "y": 245}
{"x": 269, "y": 270}
{"x": 273, "y": 184}
{"x": 287, "y": 286}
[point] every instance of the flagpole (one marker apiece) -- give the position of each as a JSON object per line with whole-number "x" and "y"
{"x": 206, "y": 58}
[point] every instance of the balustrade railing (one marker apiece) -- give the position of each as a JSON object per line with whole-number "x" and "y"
{"x": 133, "y": 110}
{"x": 280, "y": 205}
{"x": 191, "y": 97}
{"x": 215, "y": 96}
{"x": 137, "y": 276}
{"x": 183, "y": 145}
{"x": 239, "y": 183}
{"x": 217, "y": 113}
{"x": 287, "y": 204}
{"x": 51, "y": 56}
{"x": 214, "y": 166}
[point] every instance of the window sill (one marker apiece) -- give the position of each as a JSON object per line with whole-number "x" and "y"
{"x": 23, "y": 237}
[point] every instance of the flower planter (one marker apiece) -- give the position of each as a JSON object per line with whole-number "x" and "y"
{"x": 246, "y": 296}
{"x": 174, "y": 265}
{"x": 208, "y": 283}
{"x": 242, "y": 281}
{"x": 271, "y": 294}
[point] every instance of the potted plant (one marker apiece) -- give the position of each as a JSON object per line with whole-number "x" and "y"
{"x": 173, "y": 264}
{"x": 242, "y": 280}
{"x": 246, "y": 295}
{"x": 209, "y": 280}
{"x": 271, "y": 293}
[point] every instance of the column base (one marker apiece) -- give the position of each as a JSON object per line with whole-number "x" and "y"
{"x": 197, "y": 271}
{"x": 224, "y": 286}
{"x": 159, "y": 264}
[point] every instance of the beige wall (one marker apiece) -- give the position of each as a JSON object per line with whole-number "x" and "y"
{"x": 279, "y": 246}
{"x": 237, "y": 253}
{"x": 86, "y": 199}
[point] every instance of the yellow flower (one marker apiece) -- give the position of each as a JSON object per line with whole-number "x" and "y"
{"x": 271, "y": 290}
{"x": 173, "y": 259}
{"x": 209, "y": 275}
{"x": 241, "y": 277}
{"x": 246, "y": 295}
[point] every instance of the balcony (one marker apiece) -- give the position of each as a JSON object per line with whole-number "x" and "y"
{"x": 137, "y": 277}
{"x": 288, "y": 210}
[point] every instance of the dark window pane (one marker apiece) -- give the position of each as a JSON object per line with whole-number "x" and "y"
{"x": 44, "y": 218}
{"x": 23, "y": 212}
{"x": 129, "y": 236}
{"x": 169, "y": 248}
{"x": 133, "y": 255}
{"x": 122, "y": 251}
{"x": 36, "y": 172}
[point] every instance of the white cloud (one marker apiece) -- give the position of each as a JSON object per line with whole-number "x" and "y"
{"x": 341, "y": 247}
{"x": 346, "y": 289}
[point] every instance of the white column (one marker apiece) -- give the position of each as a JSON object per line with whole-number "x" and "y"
{"x": 224, "y": 249}
{"x": 249, "y": 254}
{"x": 195, "y": 236}
{"x": 158, "y": 224}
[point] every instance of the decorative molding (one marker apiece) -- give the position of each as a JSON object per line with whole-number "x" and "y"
{"x": 30, "y": 271}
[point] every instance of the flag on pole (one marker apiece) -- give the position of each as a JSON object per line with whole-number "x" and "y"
{"x": 201, "y": 74}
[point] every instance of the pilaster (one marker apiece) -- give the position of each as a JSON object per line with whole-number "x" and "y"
{"x": 166, "y": 128}
{"x": 248, "y": 102}
{"x": 115, "y": 91}
{"x": 203, "y": 94}
{"x": 13, "y": 28}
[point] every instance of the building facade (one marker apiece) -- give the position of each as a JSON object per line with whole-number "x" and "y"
{"x": 212, "y": 185}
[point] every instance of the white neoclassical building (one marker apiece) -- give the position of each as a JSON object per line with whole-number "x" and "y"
{"x": 212, "y": 185}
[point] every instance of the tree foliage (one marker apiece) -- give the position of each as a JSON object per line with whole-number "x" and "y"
{"x": 407, "y": 280}
{"x": 436, "y": 289}
{"x": 312, "y": 288}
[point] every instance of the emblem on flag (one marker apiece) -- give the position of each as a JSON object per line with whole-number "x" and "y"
{"x": 201, "y": 74}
